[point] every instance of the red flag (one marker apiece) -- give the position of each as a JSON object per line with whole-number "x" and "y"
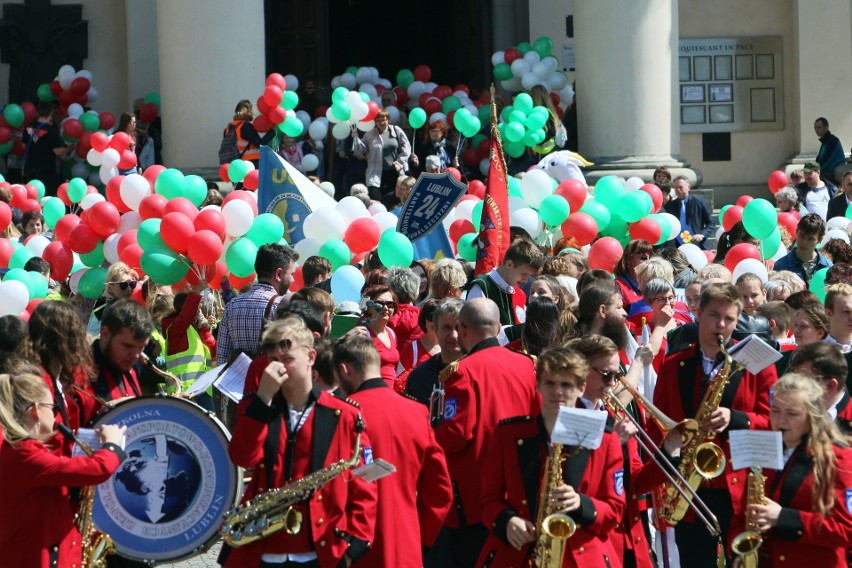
{"x": 493, "y": 238}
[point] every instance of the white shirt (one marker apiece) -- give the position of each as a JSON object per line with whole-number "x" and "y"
{"x": 832, "y": 410}
{"x": 844, "y": 347}
{"x": 816, "y": 201}
{"x": 476, "y": 291}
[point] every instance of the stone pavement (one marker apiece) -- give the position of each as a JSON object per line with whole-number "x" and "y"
{"x": 207, "y": 560}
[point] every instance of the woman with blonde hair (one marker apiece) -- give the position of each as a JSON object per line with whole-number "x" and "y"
{"x": 806, "y": 517}
{"x": 120, "y": 283}
{"x": 555, "y": 134}
{"x": 38, "y": 527}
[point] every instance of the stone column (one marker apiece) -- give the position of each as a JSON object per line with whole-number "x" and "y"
{"x": 212, "y": 55}
{"x": 626, "y": 77}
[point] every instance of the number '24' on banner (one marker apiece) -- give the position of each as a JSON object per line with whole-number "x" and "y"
{"x": 431, "y": 199}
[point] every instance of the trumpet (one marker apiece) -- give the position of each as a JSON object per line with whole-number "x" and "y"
{"x": 671, "y": 472}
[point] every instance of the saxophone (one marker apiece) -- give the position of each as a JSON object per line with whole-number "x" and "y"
{"x": 553, "y": 529}
{"x": 746, "y": 544}
{"x": 273, "y": 510}
{"x": 701, "y": 458}
{"x": 95, "y": 544}
{"x": 173, "y": 381}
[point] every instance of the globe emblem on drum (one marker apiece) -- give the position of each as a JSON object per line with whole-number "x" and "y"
{"x": 159, "y": 481}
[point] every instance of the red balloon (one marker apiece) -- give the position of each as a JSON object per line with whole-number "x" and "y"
{"x": 99, "y": 141}
{"x": 61, "y": 193}
{"x": 432, "y": 106}
{"x": 82, "y": 149}
{"x": 554, "y": 97}
{"x": 72, "y": 128}
{"x": 786, "y": 219}
{"x": 152, "y": 206}
{"x": 262, "y": 106}
{"x": 131, "y": 255}
{"x": 210, "y": 220}
{"x": 128, "y": 159}
{"x": 605, "y": 254}
{"x": 463, "y": 88}
{"x": 739, "y": 253}
{"x": 298, "y": 278}
{"x": 148, "y": 113}
{"x": 476, "y": 188}
{"x": 278, "y": 80}
{"x": 19, "y": 195}
{"x": 422, "y": 73}
{"x": 64, "y": 226}
{"x": 401, "y": 96}
{"x": 29, "y": 112}
{"x": 176, "y": 229}
{"x": 573, "y": 191}
{"x": 469, "y": 157}
{"x": 107, "y": 120}
{"x": 732, "y": 216}
{"x": 5, "y": 215}
{"x": 120, "y": 141}
{"x": 55, "y": 88}
{"x": 65, "y": 99}
{"x": 468, "y": 197}
{"x": 113, "y": 194}
{"x": 252, "y": 180}
{"x": 511, "y": 54}
{"x": 214, "y": 277}
{"x": 273, "y": 94}
{"x": 80, "y": 86}
{"x": 180, "y": 205}
{"x": 238, "y": 283}
{"x": 7, "y": 249}
{"x": 60, "y": 258}
{"x": 646, "y": 229}
{"x": 82, "y": 239}
{"x": 362, "y": 235}
{"x": 5, "y": 134}
{"x": 262, "y": 124}
{"x": 374, "y": 110}
{"x": 321, "y": 111}
{"x": 30, "y": 205}
{"x": 223, "y": 172}
{"x": 442, "y": 91}
{"x": 459, "y": 228}
{"x": 777, "y": 180}
{"x": 152, "y": 172}
{"x": 245, "y": 196}
{"x": 580, "y": 226}
{"x": 33, "y": 304}
{"x": 455, "y": 173}
{"x": 277, "y": 115}
{"x": 743, "y": 200}
{"x": 204, "y": 247}
{"x": 32, "y": 191}
{"x": 451, "y": 118}
{"x": 656, "y": 196}
{"x": 126, "y": 240}
{"x": 104, "y": 218}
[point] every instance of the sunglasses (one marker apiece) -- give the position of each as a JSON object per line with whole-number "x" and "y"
{"x": 129, "y": 284}
{"x": 608, "y": 376}
{"x": 284, "y": 345}
{"x": 389, "y": 304}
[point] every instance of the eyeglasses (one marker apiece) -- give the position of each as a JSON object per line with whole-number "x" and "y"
{"x": 663, "y": 300}
{"x": 128, "y": 284}
{"x": 284, "y": 345}
{"x": 49, "y": 405}
{"x": 608, "y": 376}
{"x": 389, "y": 304}
{"x": 642, "y": 256}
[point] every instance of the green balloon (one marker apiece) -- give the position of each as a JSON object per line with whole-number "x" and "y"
{"x": 352, "y": 70}
{"x": 77, "y": 189}
{"x": 634, "y": 205}
{"x": 476, "y": 215}
{"x": 92, "y": 283}
{"x": 514, "y": 149}
{"x": 237, "y": 171}
{"x": 770, "y": 245}
{"x": 514, "y": 132}
{"x": 515, "y": 187}
{"x": 518, "y": 116}
{"x": 524, "y": 47}
{"x": 341, "y": 110}
{"x": 266, "y": 229}
{"x": 37, "y": 183}
{"x": 599, "y": 213}
{"x": 617, "y": 228}
{"x": 148, "y": 234}
{"x": 39, "y": 283}
{"x": 153, "y": 98}
{"x": 336, "y": 252}
{"x": 339, "y": 94}
{"x": 364, "y": 96}
{"x": 760, "y": 218}
{"x": 608, "y": 192}
{"x": 22, "y": 276}
{"x": 90, "y": 121}
{"x": 502, "y": 72}
{"x": 417, "y": 118}
{"x": 195, "y": 189}
{"x": 543, "y": 46}
{"x": 395, "y": 250}
{"x": 292, "y": 126}
{"x": 404, "y": 78}
{"x": 530, "y": 139}
{"x": 6, "y": 148}
{"x": 170, "y": 183}
{"x": 470, "y": 130}
{"x": 450, "y": 104}
{"x": 290, "y": 100}
{"x": 14, "y": 115}
{"x": 45, "y": 94}
{"x": 535, "y": 121}
{"x": 817, "y": 283}
{"x": 163, "y": 265}
{"x": 484, "y": 114}
{"x": 95, "y": 257}
{"x": 554, "y": 210}
{"x": 524, "y": 103}
{"x": 462, "y": 119}
{"x": 467, "y": 247}
{"x": 240, "y": 257}
{"x": 53, "y": 209}
{"x": 505, "y": 113}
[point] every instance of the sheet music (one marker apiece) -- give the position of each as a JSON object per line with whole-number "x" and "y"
{"x": 756, "y": 448}
{"x": 233, "y": 381}
{"x": 90, "y": 437}
{"x": 754, "y": 354}
{"x": 579, "y": 427}
{"x": 201, "y": 383}
{"x": 374, "y": 471}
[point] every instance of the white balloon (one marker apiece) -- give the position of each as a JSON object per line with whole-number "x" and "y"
{"x": 304, "y": 118}
{"x": 430, "y": 86}
{"x": 75, "y": 110}
{"x": 341, "y": 130}
{"x": 529, "y": 80}
{"x": 438, "y": 116}
{"x": 386, "y": 220}
{"x": 85, "y": 74}
{"x": 348, "y": 80}
{"x": 351, "y": 208}
{"x": 94, "y": 157}
{"x": 464, "y": 210}
{"x": 318, "y": 129}
{"x": 516, "y": 203}
{"x": 213, "y": 207}
{"x": 415, "y": 89}
{"x": 92, "y": 95}
{"x": 528, "y": 220}
{"x": 363, "y": 75}
{"x": 675, "y": 225}
{"x": 310, "y": 162}
{"x": 694, "y": 255}
{"x": 66, "y": 70}
{"x": 90, "y": 199}
{"x": 366, "y": 126}
{"x": 133, "y": 189}
{"x": 129, "y": 221}
{"x": 307, "y": 248}
{"x": 325, "y": 224}
{"x": 393, "y": 112}
{"x": 535, "y": 186}
{"x": 106, "y": 173}
{"x": 79, "y": 170}
{"x": 65, "y": 81}
{"x": 327, "y": 187}
{"x": 360, "y": 110}
{"x": 835, "y": 234}
{"x": 110, "y": 157}
{"x": 384, "y": 83}
{"x": 353, "y": 98}
{"x": 551, "y": 63}
{"x": 540, "y": 70}
{"x": 498, "y": 57}
{"x": 226, "y": 244}
{"x": 841, "y": 223}
{"x": 377, "y": 208}
{"x": 750, "y": 266}
{"x": 74, "y": 280}
{"x": 369, "y": 90}
{"x": 329, "y": 116}
{"x": 37, "y": 244}
{"x": 520, "y": 67}
{"x": 335, "y": 82}
{"x": 558, "y": 81}
{"x": 633, "y": 183}
{"x": 111, "y": 248}
{"x": 513, "y": 84}
{"x": 14, "y": 297}
{"x": 238, "y": 217}
{"x": 532, "y": 57}
{"x": 292, "y": 82}
{"x": 484, "y": 164}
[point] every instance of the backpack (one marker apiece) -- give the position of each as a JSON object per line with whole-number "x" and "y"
{"x": 229, "y": 150}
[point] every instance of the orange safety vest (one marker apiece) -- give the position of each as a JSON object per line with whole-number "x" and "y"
{"x": 248, "y": 152}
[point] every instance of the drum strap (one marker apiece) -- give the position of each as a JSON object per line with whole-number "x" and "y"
{"x": 59, "y": 399}
{"x": 273, "y": 440}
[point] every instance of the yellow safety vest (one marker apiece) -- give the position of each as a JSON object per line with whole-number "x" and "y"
{"x": 192, "y": 363}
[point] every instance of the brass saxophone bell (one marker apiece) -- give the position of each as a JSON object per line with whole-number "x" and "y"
{"x": 709, "y": 460}
{"x": 292, "y": 521}
{"x": 558, "y": 525}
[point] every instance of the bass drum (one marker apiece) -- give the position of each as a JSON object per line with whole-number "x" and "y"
{"x": 167, "y": 500}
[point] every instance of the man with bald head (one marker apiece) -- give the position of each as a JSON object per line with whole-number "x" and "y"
{"x": 488, "y": 384}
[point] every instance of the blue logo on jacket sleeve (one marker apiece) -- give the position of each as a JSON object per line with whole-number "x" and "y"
{"x": 849, "y": 500}
{"x": 450, "y": 409}
{"x": 368, "y": 455}
{"x": 618, "y": 477}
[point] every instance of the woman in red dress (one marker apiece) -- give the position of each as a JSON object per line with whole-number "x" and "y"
{"x": 377, "y": 318}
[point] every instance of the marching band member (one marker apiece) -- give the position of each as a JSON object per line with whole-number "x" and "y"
{"x": 591, "y": 492}
{"x": 825, "y": 362}
{"x": 488, "y": 384}
{"x": 286, "y": 429}
{"x": 37, "y": 526}
{"x": 683, "y": 380}
{"x": 807, "y": 515}
{"x": 414, "y": 500}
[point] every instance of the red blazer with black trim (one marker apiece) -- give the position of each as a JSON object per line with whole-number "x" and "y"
{"x": 515, "y": 462}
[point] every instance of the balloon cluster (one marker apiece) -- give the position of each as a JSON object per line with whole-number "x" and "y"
{"x": 109, "y": 153}
{"x": 277, "y": 106}
{"x": 522, "y": 125}
{"x": 69, "y": 87}
{"x": 350, "y": 109}
{"x": 524, "y": 66}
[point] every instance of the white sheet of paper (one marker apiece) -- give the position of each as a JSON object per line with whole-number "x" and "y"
{"x": 374, "y": 471}
{"x": 204, "y": 381}
{"x": 90, "y": 437}
{"x": 579, "y": 427}
{"x": 232, "y": 382}
{"x": 756, "y": 448}
{"x": 754, "y": 354}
